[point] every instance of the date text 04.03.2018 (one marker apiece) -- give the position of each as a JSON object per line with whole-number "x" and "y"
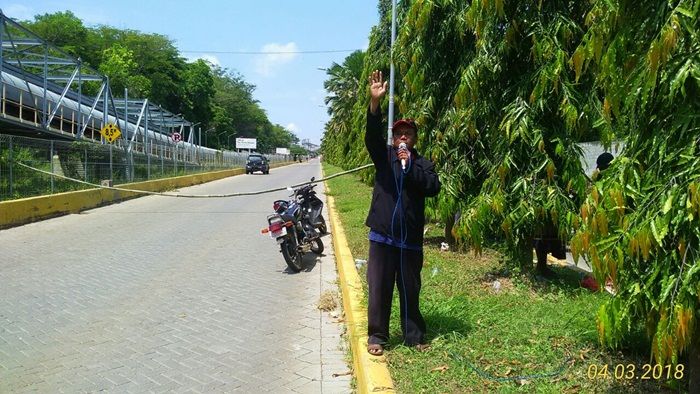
{"x": 632, "y": 371}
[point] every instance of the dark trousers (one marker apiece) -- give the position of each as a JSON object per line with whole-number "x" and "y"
{"x": 387, "y": 265}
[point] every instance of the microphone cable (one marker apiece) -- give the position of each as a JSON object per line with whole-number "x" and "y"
{"x": 403, "y": 227}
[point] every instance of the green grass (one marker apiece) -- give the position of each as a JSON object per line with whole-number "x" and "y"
{"x": 479, "y": 335}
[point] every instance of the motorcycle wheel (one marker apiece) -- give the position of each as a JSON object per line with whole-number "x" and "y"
{"x": 317, "y": 246}
{"x": 291, "y": 255}
{"x": 322, "y": 228}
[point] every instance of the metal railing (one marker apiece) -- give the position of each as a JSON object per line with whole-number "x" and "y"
{"x": 93, "y": 163}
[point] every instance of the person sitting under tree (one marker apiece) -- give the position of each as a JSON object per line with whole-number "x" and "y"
{"x": 549, "y": 240}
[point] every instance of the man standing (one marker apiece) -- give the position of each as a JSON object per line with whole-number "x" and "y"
{"x": 396, "y": 219}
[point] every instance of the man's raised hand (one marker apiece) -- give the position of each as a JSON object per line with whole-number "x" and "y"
{"x": 377, "y": 89}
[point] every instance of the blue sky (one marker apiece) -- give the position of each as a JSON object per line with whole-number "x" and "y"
{"x": 289, "y": 86}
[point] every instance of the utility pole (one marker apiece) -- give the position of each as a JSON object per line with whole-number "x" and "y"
{"x": 390, "y": 114}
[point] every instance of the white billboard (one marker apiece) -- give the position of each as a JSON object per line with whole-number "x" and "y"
{"x": 246, "y": 143}
{"x": 282, "y": 151}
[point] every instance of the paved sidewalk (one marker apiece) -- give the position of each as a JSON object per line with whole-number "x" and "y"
{"x": 132, "y": 298}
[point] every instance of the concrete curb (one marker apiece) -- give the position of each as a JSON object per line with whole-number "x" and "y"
{"x": 26, "y": 210}
{"x": 371, "y": 372}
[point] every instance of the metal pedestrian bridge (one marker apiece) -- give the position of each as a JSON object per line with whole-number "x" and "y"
{"x": 47, "y": 93}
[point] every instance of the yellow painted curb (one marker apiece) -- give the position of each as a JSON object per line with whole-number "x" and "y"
{"x": 26, "y": 210}
{"x": 371, "y": 372}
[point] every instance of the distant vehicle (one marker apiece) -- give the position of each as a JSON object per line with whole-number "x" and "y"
{"x": 257, "y": 162}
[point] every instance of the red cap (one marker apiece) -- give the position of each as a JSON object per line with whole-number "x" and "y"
{"x": 405, "y": 122}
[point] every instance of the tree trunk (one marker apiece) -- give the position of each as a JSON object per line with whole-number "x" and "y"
{"x": 524, "y": 254}
{"x": 694, "y": 362}
{"x": 449, "y": 224}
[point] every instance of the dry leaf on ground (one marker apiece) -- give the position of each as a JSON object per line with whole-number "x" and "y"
{"x": 441, "y": 368}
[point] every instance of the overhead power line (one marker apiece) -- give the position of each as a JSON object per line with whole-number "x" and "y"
{"x": 272, "y": 52}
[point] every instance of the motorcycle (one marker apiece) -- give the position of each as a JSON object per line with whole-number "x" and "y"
{"x": 297, "y": 225}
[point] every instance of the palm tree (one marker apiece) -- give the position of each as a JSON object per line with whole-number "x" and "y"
{"x": 343, "y": 85}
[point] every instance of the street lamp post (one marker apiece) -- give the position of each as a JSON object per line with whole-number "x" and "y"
{"x": 191, "y": 138}
{"x": 390, "y": 113}
{"x": 205, "y": 135}
{"x": 191, "y": 130}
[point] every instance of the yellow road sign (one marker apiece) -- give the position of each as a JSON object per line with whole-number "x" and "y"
{"x": 110, "y": 132}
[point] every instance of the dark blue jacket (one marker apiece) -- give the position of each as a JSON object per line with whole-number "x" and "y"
{"x": 420, "y": 182}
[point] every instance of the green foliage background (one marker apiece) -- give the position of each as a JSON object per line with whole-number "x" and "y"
{"x": 503, "y": 91}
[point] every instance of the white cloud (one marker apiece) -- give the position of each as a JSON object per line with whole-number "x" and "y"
{"x": 293, "y": 128}
{"x": 279, "y": 54}
{"x": 207, "y": 58}
{"x": 18, "y": 12}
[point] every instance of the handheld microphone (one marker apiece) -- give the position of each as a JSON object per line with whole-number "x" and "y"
{"x": 402, "y": 146}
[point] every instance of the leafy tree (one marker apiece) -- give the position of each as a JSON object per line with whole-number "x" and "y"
{"x": 236, "y": 113}
{"x": 503, "y": 92}
{"x": 160, "y": 61}
{"x": 507, "y": 155}
{"x": 640, "y": 223}
{"x": 150, "y": 66}
{"x": 298, "y": 150}
{"x": 119, "y": 65}
{"x": 343, "y": 85}
{"x": 62, "y": 29}
{"x": 155, "y": 58}
{"x": 279, "y": 137}
{"x": 222, "y": 123}
{"x": 452, "y": 128}
{"x": 67, "y": 32}
{"x": 198, "y": 91}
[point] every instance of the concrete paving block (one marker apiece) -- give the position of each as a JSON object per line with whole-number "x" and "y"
{"x": 336, "y": 388}
{"x": 312, "y": 372}
{"x": 309, "y": 388}
{"x": 216, "y": 313}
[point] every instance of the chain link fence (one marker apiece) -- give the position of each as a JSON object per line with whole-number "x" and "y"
{"x": 94, "y": 163}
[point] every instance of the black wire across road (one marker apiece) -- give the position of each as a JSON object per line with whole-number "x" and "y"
{"x": 238, "y": 194}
